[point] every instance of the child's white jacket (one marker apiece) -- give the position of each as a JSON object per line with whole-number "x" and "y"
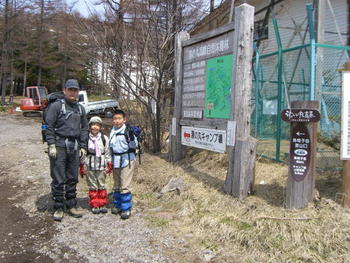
{"x": 98, "y": 163}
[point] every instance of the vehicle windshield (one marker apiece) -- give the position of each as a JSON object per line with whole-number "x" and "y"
{"x": 42, "y": 92}
{"x": 34, "y": 95}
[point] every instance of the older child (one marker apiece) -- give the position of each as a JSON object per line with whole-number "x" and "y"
{"x": 98, "y": 164}
{"x": 123, "y": 145}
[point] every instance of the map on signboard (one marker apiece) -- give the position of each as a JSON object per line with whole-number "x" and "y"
{"x": 218, "y": 87}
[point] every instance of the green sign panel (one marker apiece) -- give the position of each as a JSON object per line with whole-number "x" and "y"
{"x": 218, "y": 87}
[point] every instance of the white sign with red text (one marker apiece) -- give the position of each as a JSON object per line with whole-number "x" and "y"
{"x": 208, "y": 139}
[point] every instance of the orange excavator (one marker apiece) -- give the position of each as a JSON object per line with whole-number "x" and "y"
{"x": 35, "y": 100}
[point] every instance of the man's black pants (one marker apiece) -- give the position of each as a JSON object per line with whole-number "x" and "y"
{"x": 64, "y": 174}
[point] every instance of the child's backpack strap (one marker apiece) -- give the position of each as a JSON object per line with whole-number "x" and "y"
{"x": 103, "y": 140}
{"x": 128, "y": 134}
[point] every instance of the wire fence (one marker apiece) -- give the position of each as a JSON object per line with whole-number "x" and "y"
{"x": 329, "y": 67}
{"x": 282, "y": 77}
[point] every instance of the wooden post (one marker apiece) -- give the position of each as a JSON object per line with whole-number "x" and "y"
{"x": 346, "y": 168}
{"x": 240, "y": 173}
{"x": 346, "y": 183}
{"x": 175, "y": 140}
{"x": 300, "y": 193}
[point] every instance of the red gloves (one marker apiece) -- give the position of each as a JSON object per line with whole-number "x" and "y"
{"x": 109, "y": 168}
{"x": 82, "y": 170}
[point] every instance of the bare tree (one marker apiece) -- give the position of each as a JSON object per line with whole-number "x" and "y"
{"x": 5, "y": 52}
{"x": 40, "y": 37}
{"x": 139, "y": 49}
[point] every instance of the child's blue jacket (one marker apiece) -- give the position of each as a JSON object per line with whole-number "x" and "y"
{"x": 119, "y": 147}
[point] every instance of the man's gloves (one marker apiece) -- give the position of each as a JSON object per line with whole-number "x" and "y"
{"x": 109, "y": 168}
{"x": 82, "y": 170}
{"x": 82, "y": 154}
{"x": 52, "y": 151}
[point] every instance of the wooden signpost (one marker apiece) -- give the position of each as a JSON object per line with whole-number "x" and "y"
{"x": 241, "y": 157}
{"x": 303, "y": 117}
{"x": 213, "y": 82}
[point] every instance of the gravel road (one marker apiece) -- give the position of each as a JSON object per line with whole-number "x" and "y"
{"x": 28, "y": 233}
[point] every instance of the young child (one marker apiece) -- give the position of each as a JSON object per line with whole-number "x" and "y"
{"x": 98, "y": 164}
{"x": 123, "y": 145}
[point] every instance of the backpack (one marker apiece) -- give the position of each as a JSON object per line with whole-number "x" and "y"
{"x": 132, "y": 132}
{"x": 50, "y": 99}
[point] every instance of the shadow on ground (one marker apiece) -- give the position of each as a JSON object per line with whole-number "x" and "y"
{"x": 44, "y": 203}
{"x": 204, "y": 177}
{"x": 329, "y": 185}
{"x": 274, "y": 194}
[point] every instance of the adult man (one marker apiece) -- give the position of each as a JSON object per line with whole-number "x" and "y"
{"x": 67, "y": 136}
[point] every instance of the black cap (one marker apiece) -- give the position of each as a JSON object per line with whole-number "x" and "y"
{"x": 72, "y": 84}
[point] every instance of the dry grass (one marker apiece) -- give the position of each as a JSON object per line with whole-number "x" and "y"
{"x": 327, "y": 157}
{"x": 257, "y": 229}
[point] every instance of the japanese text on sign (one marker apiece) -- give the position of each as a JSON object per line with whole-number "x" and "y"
{"x": 209, "y": 49}
{"x": 300, "y": 151}
{"x": 300, "y": 115}
{"x": 208, "y": 139}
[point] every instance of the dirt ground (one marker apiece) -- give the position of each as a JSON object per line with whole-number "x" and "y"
{"x": 197, "y": 224}
{"x": 27, "y": 231}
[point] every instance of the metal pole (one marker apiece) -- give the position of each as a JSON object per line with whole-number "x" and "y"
{"x": 257, "y": 83}
{"x": 261, "y": 77}
{"x": 310, "y": 19}
{"x": 304, "y": 83}
{"x": 279, "y": 91}
{"x": 321, "y": 14}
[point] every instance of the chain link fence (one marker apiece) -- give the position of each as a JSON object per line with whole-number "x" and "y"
{"x": 282, "y": 77}
{"x": 329, "y": 80}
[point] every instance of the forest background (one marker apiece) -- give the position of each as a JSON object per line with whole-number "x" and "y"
{"x": 125, "y": 51}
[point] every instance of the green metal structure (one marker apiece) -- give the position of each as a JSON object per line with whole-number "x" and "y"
{"x": 288, "y": 75}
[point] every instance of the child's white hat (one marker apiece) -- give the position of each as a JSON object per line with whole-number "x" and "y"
{"x": 95, "y": 119}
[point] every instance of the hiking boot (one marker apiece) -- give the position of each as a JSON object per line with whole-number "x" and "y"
{"x": 103, "y": 209}
{"x": 115, "y": 210}
{"x": 95, "y": 210}
{"x": 75, "y": 212}
{"x": 58, "y": 215}
{"x": 125, "y": 214}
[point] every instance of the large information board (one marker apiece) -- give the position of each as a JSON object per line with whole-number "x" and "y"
{"x": 213, "y": 84}
{"x": 207, "y": 77}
